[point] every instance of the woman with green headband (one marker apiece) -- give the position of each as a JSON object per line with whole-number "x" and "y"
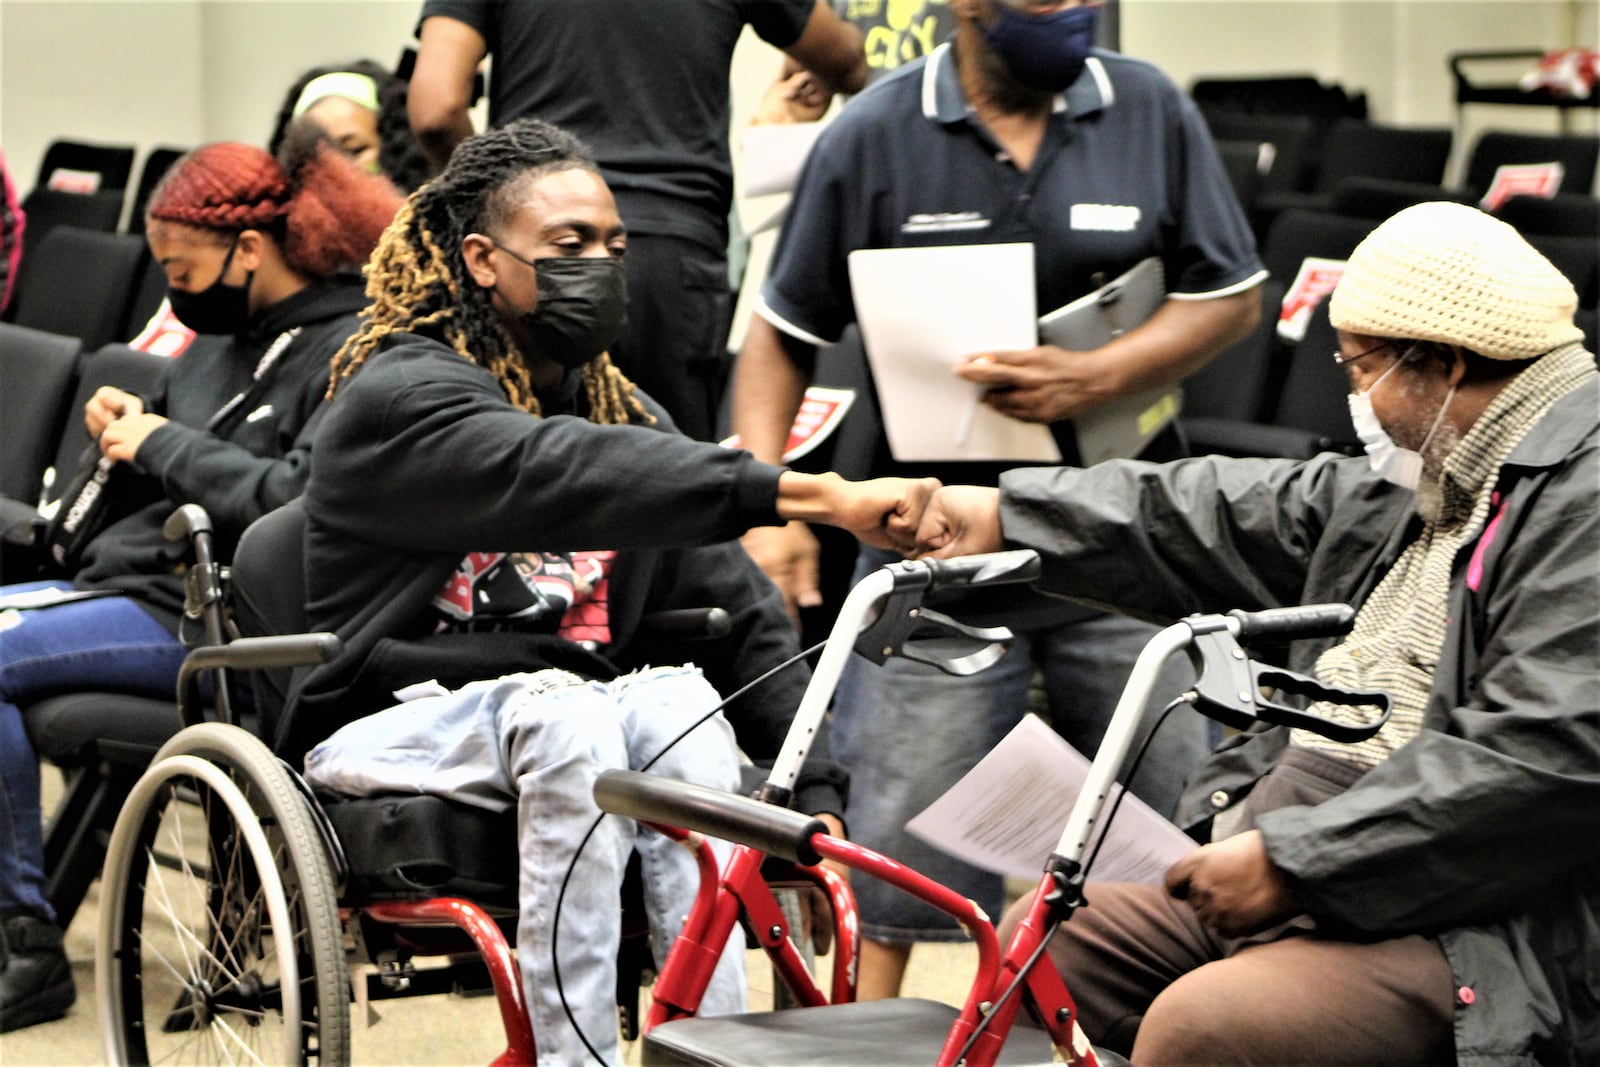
{"x": 361, "y": 107}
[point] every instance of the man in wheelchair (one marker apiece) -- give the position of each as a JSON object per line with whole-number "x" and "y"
{"x": 498, "y": 512}
{"x": 1432, "y": 894}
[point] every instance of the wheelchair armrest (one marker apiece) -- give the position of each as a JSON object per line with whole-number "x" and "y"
{"x": 249, "y": 654}
{"x": 688, "y": 622}
{"x": 773, "y": 830}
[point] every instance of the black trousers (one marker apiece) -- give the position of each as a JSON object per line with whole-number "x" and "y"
{"x": 675, "y": 344}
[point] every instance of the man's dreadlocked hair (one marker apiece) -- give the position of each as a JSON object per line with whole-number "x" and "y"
{"x": 417, "y": 278}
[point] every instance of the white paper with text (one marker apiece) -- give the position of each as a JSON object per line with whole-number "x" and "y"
{"x": 1007, "y": 813}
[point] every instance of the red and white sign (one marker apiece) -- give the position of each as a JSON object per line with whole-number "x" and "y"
{"x": 1522, "y": 179}
{"x": 163, "y": 334}
{"x": 1312, "y": 284}
{"x": 63, "y": 180}
{"x": 821, "y": 412}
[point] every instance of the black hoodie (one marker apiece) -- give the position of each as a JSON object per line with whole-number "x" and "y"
{"x": 251, "y": 461}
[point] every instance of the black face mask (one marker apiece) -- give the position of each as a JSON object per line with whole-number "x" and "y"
{"x": 218, "y": 308}
{"x": 583, "y": 304}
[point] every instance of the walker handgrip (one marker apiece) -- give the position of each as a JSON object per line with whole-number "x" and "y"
{"x": 770, "y": 829}
{"x": 1309, "y": 620}
{"x": 987, "y": 568}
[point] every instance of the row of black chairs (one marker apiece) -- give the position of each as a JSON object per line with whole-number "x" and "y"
{"x": 49, "y": 378}
{"x": 1278, "y": 162}
{"x": 95, "y": 286}
{"x": 85, "y": 187}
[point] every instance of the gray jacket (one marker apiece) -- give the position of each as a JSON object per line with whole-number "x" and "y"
{"x": 1482, "y": 832}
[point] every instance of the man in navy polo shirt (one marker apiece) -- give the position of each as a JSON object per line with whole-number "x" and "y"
{"x": 1017, "y": 131}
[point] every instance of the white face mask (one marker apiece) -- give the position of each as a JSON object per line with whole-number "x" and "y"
{"x": 1402, "y": 466}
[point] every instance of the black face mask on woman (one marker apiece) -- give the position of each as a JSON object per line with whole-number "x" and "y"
{"x": 583, "y": 304}
{"x": 218, "y": 308}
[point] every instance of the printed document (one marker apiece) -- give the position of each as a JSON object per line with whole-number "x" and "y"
{"x": 1006, "y": 814}
{"x": 921, "y": 311}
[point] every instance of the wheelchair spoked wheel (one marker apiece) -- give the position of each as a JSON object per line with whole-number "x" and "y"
{"x": 220, "y": 939}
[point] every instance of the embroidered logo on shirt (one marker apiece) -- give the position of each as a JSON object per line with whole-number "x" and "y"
{"x": 944, "y": 221}
{"x": 1116, "y": 218}
{"x": 259, "y": 413}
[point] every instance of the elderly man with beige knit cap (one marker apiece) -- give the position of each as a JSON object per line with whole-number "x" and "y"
{"x": 1431, "y": 895}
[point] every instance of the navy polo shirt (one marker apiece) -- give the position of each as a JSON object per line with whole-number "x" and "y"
{"x": 1126, "y": 170}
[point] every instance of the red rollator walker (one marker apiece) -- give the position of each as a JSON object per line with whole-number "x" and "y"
{"x": 884, "y": 616}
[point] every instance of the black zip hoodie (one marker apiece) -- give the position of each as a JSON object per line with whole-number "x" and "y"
{"x": 253, "y": 460}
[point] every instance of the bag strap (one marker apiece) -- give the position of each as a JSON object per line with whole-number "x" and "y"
{"x": 258, "y": 380}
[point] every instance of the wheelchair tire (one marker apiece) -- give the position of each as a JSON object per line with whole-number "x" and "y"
{"x": 214, "y": 853}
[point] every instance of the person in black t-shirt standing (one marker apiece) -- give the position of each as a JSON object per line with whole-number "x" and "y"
{"x": 645, "y": 84}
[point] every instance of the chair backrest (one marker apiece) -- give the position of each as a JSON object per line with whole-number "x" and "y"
{"x": 1298, "y": 233}
{"x": 154, "y": 168}
{"x": 1247, "y": 164}
{"x": 268, "y": 591}
{"x": 81, "y": 283}
{"x": 1357, "y": 148}
{"x": 113, "y": 364}
{"x": 1565, "y": 214}
{"x": 1576, "y": 257}
{"x": 1378, "y": 198}
{"x": 37, "y": 369}
{"x": 111, "y": 163}
{"x": 1314, "y": 389}
{"x": 1238, "y": 384}
{"x": 1577, "y": 154}
{"x": 148, "y": 292}
{"x": 1293, "y": 141}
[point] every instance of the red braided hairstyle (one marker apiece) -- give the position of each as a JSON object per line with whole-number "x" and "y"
{"x": 325, "y": 212}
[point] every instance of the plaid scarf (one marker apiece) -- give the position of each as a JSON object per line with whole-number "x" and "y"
{"x": 1394, "y": 645}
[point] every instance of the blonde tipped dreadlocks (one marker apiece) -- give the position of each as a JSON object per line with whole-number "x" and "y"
{"x": 415, "y": 279}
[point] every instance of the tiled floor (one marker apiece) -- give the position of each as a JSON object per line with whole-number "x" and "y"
{"x": 427, "y": 1030}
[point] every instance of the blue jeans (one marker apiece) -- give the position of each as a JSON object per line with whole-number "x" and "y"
{"x": 110, "y": 643}
{"x": 539, "y": 741}
{"x": 908, "y": 732}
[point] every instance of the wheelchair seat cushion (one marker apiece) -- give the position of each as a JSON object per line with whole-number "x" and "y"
{"x": 409, "y": 847}
{"x": 905, "y": 1030}
{"x": 71, "y": 728}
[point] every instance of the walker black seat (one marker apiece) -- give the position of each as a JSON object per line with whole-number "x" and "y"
{"x": 903, "y": 1030}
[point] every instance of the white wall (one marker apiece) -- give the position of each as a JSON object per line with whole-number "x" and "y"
{"x": 183, "y": 72}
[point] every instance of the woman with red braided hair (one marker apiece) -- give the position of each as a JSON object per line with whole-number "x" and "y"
{"x": 266, "y": 258}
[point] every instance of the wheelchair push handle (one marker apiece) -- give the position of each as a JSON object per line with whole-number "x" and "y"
{"x": 650, "y": 798}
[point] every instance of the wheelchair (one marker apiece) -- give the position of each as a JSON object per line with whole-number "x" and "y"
{"x": 876, "y": 620}
{"x": 234, "y": 901}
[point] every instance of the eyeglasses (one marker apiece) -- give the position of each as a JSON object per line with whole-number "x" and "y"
{"x": 1341, "y": 359}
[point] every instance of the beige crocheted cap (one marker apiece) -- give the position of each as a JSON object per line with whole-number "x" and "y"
{"x": 1451, "y": 273}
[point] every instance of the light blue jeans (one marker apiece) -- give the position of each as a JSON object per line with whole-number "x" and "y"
{"x": 540, "y": 740}
{"x": 110, "y": 644}
{"x": 908, "y": 732}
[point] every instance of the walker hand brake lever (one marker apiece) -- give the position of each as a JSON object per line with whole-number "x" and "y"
{"x": 1230, "y": 685}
